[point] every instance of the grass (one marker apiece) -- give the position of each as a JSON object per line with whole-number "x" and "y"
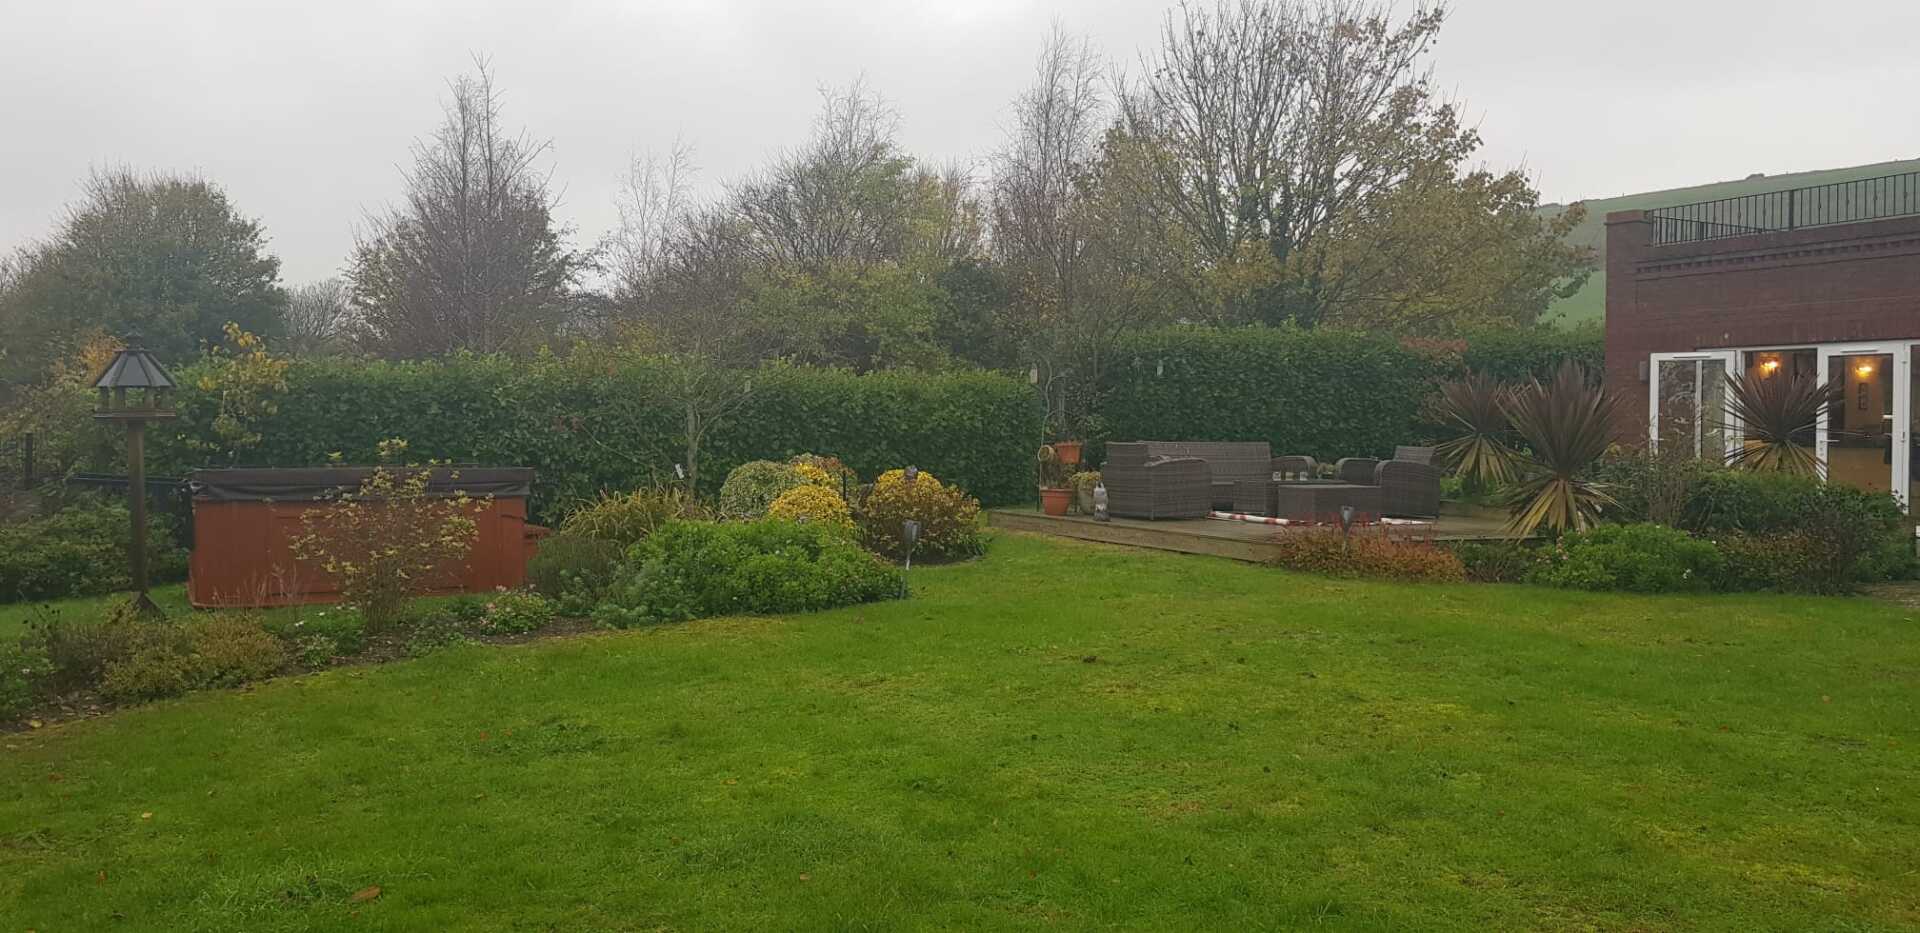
{"x": 1059, "y": 735}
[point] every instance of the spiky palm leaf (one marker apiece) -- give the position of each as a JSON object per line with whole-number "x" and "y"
{"x": 1567, "y": 424}
{"x": 1479, "y": 451}
{"x": 1771, "y": 411}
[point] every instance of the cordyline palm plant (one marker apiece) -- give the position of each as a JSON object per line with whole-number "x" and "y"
{"x": 1771, "y": 411}
{"x": 1479, "y": 451}
{"x": 1567, "y": 424}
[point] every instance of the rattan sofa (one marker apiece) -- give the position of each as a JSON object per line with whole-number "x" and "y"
{"x": 1139, "y": 485}
{"x": 1409, "y": 483}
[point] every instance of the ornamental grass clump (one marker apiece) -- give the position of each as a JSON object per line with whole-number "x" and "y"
{"x": 625, "y": 519}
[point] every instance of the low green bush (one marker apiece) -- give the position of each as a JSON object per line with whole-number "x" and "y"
{"x": 1372, "y": 554}
{"x": 573, "y": 570}
{"x": 81, "y": 550}
{"x": 1496, "y": 561}
{"x": 949, "y": 518}
{"x": 1795, "y": 562}
{"x": 1639, "y": 558}
{"x": 517, "y": 612}
{"x": 169, "y": 659}
{"x": 322, "y": 632}
{"x": 22, "y": 671}
{"x": 751, "y": 488}
{"x": 691, "y": 570}
{"x": 1863, "y": 534}
{"x": 80, "y": 646}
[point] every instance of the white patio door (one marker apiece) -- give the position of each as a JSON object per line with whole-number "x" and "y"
{"x": 1687, "y": 402}
{"x": 1864, "y": 438}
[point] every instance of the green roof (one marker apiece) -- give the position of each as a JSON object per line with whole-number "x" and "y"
{"x": 1590, "y": 302}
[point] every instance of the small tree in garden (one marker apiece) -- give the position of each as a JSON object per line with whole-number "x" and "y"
{"x": 1777, "y": 414}
{"x": 1567, "y": 424}
{"x": 1473, "y": 409}
{"x": 390, "y": 538}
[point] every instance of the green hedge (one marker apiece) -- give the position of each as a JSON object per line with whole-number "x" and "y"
{"x": 1325, "y": 393}
{"x": 589, "y": 424}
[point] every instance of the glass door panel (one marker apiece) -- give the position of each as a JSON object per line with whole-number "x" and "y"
{"x": 1860, "y": 425}
{"x": 1688, "y": 403}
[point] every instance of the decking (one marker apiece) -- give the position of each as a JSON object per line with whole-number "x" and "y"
{"x": 1237, "y": 540}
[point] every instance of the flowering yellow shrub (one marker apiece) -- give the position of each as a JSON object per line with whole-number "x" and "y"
{"x": 813, "y": 474}
{"x": 894, "y": 479}
{"x": 816, "y": 504}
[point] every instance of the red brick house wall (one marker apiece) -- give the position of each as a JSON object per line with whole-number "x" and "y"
{"x": 1848, "y": 282}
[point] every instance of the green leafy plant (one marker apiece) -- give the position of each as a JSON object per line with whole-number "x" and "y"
{"x": 949, "y": 518}
{"x": 625, "y": 519}
{"x": 1640, "y": 558}
{"x": 22, "y": 673}
{"x": 79, "y": 646}
{"x": 1472, "y": 408}
{"x": 517, "y": 612}
{"x": 1842, "y": 535}
{"x": 692, "y": 570}
{"x": 81, "y": 550}
{"x": 751, "y": 487}
{"x": 1567, "y": 424}
{"x": 1376, "y": 554}
{"x": 1496, "y": 561}
{"x": 227, "y": 650}
{"x": 1776, "y": 414}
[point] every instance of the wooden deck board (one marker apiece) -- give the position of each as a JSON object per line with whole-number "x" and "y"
{"x": 1217, "y": 537}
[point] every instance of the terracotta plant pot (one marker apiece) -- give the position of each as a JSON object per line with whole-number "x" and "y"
{"x": 1054, "y": 501}
{"x": 1069, "y": 451}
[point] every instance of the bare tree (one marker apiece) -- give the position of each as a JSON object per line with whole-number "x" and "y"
{"x": 1039, "y": 224}
{"x": 319, "y": 317}
{"x": 839, "y": 198}
{"x": 473, "y": 258}
{"x": 655, "y": 202}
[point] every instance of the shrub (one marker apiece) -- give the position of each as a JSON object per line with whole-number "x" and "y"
{"x": 625, "y": 519}
{"x": 812, "y": 503}
{"x": 390, "y": 539}
{"x": 1651, "y": 487}
{"x": 79, "y": 650}
{"x": 81, "y": 550}
{"x": 517, "y": 612}
{"x": 948, "y": 517}
{"x": 691, "y": 570}
{"x": 837, "y": 475}
{"x": 573, "y": 570}
{"x": 1863, "y": 534}
{"x": 167, "y": 659}
{"x": 338, "y": 629}
{"x": 1794, "y": 562}
{"x": 751, "y": 488}
{"x": 1496, "y": 561}
{"x": 1366, "y": 554}
{"x": 22, "y": 672}
{"x": 1641, "y": 558}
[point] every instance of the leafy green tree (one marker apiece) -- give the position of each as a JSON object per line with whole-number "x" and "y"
{"x": 165, "y": 255}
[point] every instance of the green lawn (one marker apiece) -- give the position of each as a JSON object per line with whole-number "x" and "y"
{"x": 1058, "y": 735}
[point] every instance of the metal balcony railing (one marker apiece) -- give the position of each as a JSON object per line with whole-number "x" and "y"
{"x": 1842, "y": 202}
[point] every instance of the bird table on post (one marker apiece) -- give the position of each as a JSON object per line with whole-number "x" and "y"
{"x": 134, "y": 389}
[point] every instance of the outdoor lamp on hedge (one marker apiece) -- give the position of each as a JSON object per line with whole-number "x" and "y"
{"x": 135, "y": 389}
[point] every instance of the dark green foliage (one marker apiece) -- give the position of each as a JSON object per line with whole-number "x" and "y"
{"x": 1790, "y": 562}
{"x": 81, "y": 550}
{"x": 1642, "y": 558}
{"x": 573, "y": 570}
{"x": 1859, "y": 536}
{"x": 1496, "y": 561}
{"x": 592, "y": 422}
{"x": 22, "y": 672}
{"x": 691, "y": 570}
{"x": 1324, "y": 393}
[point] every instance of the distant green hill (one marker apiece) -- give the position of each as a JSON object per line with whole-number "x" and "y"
{"x": 1590, "y": 302}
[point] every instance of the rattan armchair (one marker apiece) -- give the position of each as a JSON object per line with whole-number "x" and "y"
{"x": 1409, "y": 483}
{"x": 1142, "y": 483}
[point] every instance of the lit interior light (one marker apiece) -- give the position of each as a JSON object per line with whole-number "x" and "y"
{"x": 1863, "y": 370}
{"x": 1769, "y": 366}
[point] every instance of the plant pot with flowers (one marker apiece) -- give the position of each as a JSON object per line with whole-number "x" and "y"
{"x": 1055, "y": 493}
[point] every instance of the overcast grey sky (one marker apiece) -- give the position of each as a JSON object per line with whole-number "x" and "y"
{"x": 303, "y": 111}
